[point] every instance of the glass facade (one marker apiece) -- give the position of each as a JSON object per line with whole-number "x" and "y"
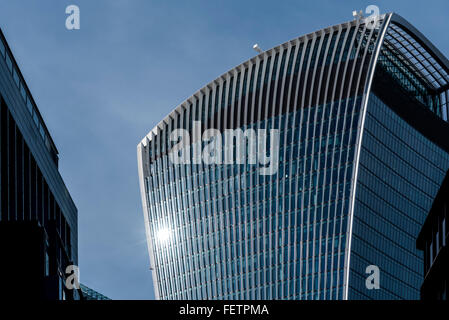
{"x": 399, "y": 176}
{"x": 27, "y": 98}
{"x": 90, "y": 294}
{"x": 224, "y": 231}
{"x": 433, "y": 242}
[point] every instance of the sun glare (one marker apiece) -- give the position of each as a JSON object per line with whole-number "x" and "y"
{"x": 163, "y": 235}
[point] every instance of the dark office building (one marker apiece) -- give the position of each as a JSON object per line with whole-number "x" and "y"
{"x": 433, "y": 241}
{"x": 38, "y": 219}
{"x": 361, "y": 112}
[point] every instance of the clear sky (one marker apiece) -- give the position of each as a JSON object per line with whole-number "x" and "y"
{"x": 102, "y": 88}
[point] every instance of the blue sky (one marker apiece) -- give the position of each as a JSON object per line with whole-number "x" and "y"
{"x": 100, "y": 90}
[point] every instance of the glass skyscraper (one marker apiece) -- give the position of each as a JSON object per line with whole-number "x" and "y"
{"x": 362, "y": 111}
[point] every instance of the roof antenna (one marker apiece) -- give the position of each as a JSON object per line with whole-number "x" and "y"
{"x": 257, "y": 48}
{"x": 357, "y": 15}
